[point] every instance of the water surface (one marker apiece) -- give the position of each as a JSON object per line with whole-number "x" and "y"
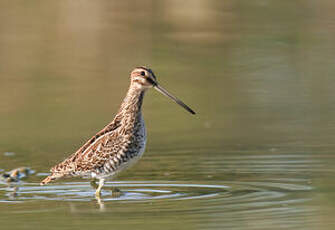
{"x": 259, "y": 154}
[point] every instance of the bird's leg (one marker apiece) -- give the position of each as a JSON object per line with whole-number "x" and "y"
{"x": 101, "y": 204}
{"x": 98, "y": 191}
{"x": 93, "y": 184}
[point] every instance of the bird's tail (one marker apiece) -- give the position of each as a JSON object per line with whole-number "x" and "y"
{"x": 52, "y": 177}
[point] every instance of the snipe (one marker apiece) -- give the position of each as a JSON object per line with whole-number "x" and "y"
{"x": 121, "y": 142}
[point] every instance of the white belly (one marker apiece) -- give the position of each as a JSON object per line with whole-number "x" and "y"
{"x": 142, "y": 140}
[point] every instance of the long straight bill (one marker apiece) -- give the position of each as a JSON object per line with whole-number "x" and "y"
{"x": 179, "y": 102}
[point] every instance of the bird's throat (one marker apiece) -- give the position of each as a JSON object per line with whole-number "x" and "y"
{"x": 130, "y": 109}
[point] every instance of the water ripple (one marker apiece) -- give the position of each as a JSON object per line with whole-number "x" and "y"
{"x": 230, "y": 195}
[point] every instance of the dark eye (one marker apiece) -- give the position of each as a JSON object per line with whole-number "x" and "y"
{"x": 143, "y": 73}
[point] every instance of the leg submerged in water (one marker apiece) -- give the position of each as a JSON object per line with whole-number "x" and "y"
{"x": 93, "y": 184}
{"x": 101, "y": 184}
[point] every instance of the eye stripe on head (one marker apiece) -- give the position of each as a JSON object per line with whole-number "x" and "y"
{"x": 142, "y": 69}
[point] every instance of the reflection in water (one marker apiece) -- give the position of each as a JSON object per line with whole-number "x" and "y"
{"x": 234, "y": 196}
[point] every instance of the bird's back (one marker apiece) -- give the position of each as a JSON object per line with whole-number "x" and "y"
{"x": 105, "y": 152}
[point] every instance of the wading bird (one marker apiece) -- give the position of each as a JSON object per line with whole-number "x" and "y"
{"x": 121, "y": 142}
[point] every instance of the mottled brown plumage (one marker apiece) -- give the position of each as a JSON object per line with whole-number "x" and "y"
{"x": 120, "y": 143}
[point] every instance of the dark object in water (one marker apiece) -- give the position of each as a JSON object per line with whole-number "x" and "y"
{"x": 16, "y": 175}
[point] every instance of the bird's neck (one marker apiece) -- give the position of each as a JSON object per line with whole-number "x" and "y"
{"x": 130, "y": 110}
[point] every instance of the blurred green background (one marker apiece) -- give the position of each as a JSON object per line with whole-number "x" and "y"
{"x": 259, "y": 74}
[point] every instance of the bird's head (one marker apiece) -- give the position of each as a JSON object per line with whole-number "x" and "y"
{"x": 144, "y": 78}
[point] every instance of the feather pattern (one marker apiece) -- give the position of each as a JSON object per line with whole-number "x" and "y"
{"x": 113, "y": 148}
{"x": 121, "y": 142}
